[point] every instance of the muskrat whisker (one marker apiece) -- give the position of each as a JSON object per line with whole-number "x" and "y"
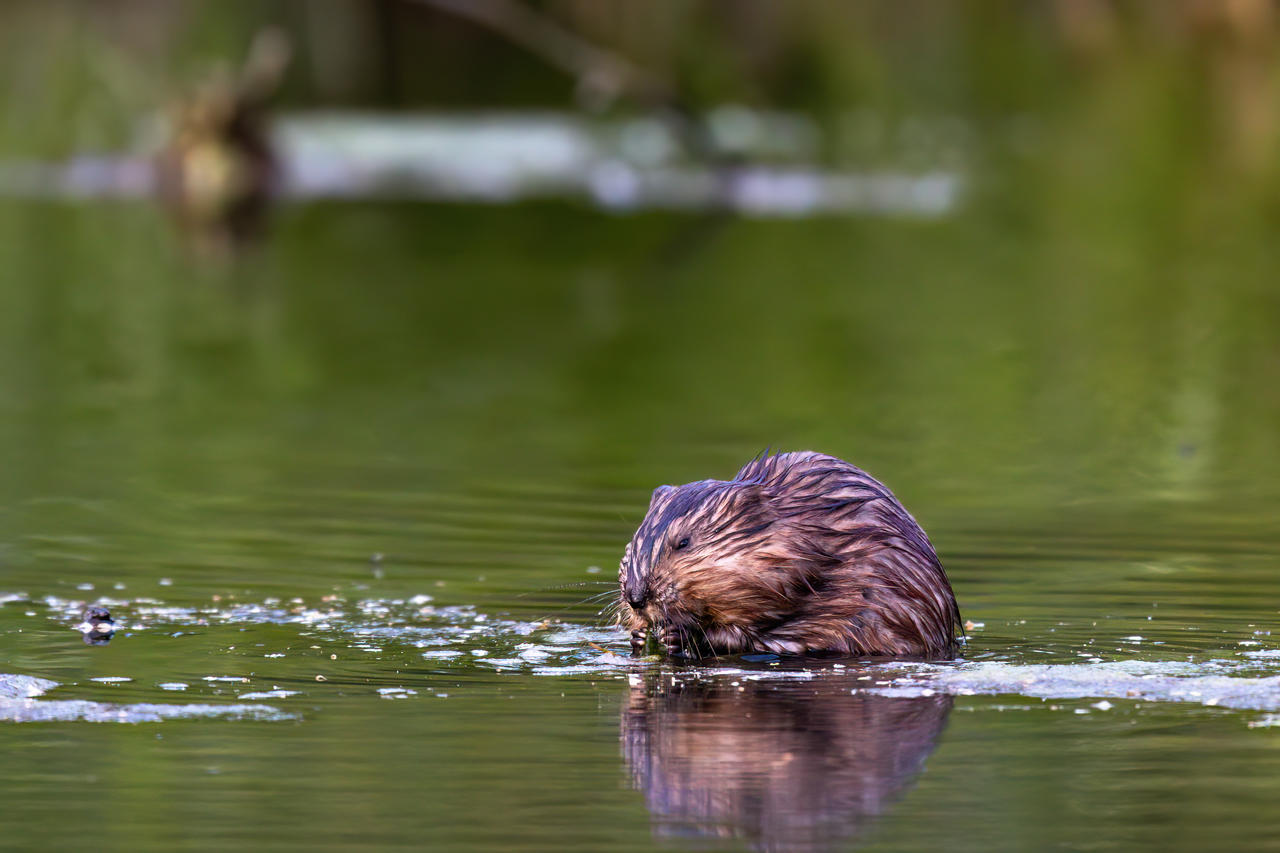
{"x": 589, "y": 600}
{"x": 600, "y": 596}
{"x": 707, "y": 641}
{"x": 592, "y": 599}
{"x": 611, "y": 613}
{"x": 560, "y": 586}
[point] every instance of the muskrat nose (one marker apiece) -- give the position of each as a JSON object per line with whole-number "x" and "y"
{"x": 637, "y": 598}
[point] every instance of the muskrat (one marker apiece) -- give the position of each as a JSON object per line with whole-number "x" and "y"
{"x": 798, "y": 553}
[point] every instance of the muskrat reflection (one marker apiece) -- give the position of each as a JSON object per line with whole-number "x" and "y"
{"x": 785, "y": 765}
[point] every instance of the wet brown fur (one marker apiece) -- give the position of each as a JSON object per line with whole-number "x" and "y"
{"x": 798, "y": 553}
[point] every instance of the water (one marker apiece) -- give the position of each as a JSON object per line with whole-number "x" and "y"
{"x": 365, "y": 480}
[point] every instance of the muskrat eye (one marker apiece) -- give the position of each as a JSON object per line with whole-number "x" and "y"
{"x": 682, "y": 544}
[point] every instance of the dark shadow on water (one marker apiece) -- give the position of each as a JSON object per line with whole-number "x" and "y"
{"x": 782, "y": 765}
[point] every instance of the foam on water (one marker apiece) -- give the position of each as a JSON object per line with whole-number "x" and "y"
{"x": 460, "y": 637}
{"x": 1211, "y": 683}
{"x": 452, "y": 635}
{"x": 268, "y": 694}
{"x": 20, "y": 703}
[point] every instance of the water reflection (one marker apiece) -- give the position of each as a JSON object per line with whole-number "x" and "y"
{"x": 785, "y": 765}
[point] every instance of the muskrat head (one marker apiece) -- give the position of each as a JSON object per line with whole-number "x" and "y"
{"x": 698, "y": 572}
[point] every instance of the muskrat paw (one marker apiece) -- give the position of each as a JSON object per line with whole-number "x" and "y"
{"x": 639, "y": 637}
{"x": 672, "y": 640}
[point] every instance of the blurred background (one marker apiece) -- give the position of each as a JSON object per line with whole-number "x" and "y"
{"x": 310, "y": 295}
{"x": 1012, "y": 251}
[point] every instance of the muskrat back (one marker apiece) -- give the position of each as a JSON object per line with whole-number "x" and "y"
{"x": 798, "y": 553}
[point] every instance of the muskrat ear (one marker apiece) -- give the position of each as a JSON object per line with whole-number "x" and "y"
{"x": 754, "y": 497}
{"x": 659, "y": 495}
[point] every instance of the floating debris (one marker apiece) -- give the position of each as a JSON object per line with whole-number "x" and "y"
{"x": 97, "y": 627}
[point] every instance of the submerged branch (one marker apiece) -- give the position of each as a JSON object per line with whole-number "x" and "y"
{"x": 602, "y": 75}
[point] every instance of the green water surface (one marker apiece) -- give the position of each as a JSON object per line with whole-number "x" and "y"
{"x": 473, "y": 404}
